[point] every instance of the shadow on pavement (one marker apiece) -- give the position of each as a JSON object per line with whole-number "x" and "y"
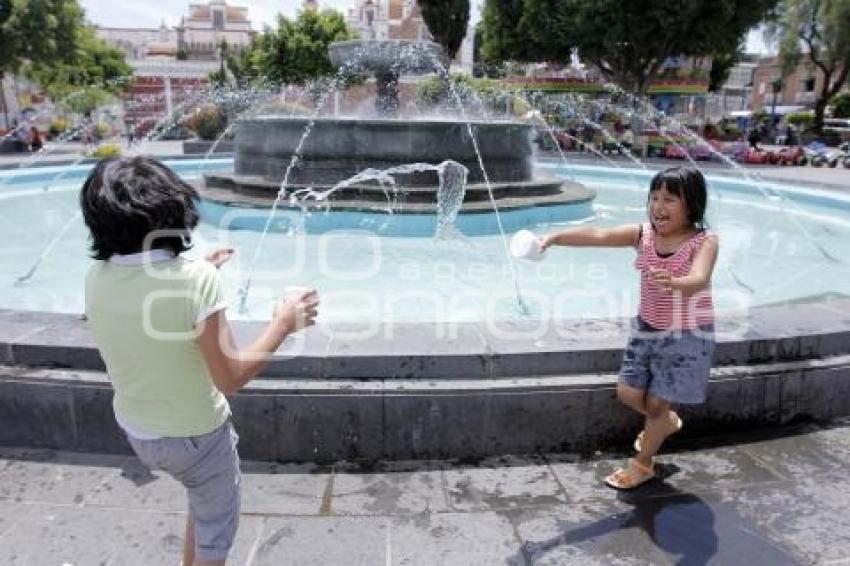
{"x": 691, "y": 531}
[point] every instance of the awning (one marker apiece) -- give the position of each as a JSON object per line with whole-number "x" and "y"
{"x": 782, "y": 110}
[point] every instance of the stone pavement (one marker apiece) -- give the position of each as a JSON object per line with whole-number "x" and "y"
{"x": 762, "y": 497}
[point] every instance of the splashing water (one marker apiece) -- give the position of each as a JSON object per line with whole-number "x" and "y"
{"x": 342, "y": 74}
{"x": 444, "y": 74}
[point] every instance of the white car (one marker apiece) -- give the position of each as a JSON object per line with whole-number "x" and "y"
{"x": 841, "y": 126}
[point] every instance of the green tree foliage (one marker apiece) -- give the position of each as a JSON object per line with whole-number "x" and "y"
{"x": 628, "y": 42}
{"x": 721, "y": 65}
{"x": 447, "y": 20}
{"x": 297, "y": 51}
{"x": 38, "y": 31}
{"x": 207, "y": 121}
{"x": 817, "y": 31}
{"x": 49, "y": 41}
{"x": 841, "y": 105}
{"x": 802, "y": 120}
{"x": 95, "y": 64}
{"x": 96, "y": 72}
{"x": 236, "y": 68}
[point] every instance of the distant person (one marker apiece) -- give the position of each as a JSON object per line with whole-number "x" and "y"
{"x": 790, "y": 135}
{"x": 627, "y": 139}
{"x": 573, "y": 133}
{"x": 710, "y": 131}
{"x": 36, "y": 142}
{"x": 88, "y": 140}
{"x": 21, "y": 136}
{"x": 588, "y": 133}
{"x": 669, "y": 353}
{"x": 754, "y": 138}
{"x": 159, "y": 322}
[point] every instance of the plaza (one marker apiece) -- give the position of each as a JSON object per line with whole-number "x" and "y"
{"x": 480, "y": 366}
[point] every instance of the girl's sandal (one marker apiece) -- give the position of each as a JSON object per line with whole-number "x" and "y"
{"x": 630, "y": 477}
{"x": 675, "y": 426}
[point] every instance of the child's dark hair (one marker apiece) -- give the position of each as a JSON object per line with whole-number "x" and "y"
{"x": 127, "y": 202}
{"x": 688, "y": 184}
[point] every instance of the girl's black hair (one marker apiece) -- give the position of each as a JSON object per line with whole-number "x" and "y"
{"x": 135, "y": 204}
{"x": 688, "y": 184}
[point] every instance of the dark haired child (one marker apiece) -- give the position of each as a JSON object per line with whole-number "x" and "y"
{"x": 669, "y": 352}
{"x": 159, "y": 323}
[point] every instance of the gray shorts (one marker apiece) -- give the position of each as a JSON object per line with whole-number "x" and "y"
{"x": 671, "y": 364}
{"x": 208, "y": 467}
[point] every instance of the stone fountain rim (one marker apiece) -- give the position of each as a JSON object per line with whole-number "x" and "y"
{"x": 423, "y": 42}
{"x": 472, "y": 350}
{"x": 387, "y": 121}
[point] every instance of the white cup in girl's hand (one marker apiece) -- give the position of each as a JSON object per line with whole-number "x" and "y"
{"x": 526, "y": 245}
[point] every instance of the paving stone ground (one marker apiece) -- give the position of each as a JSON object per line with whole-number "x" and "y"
{"x": 771, "y": 497}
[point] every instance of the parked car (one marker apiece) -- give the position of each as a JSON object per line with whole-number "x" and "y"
{"x": 821, "y": 154}
{"x": 697, "y": 151}
{"x": 759, "y": 157}
{"x": 845, "y": 152}
{"x": 794, "y": 155}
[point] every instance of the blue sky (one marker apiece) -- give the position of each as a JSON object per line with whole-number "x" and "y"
{"x": 135, "y": 13}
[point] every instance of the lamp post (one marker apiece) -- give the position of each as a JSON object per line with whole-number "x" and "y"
{"x": 777, "y": 88}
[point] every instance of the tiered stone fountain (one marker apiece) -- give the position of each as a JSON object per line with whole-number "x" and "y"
{"x": 337, "y": 148}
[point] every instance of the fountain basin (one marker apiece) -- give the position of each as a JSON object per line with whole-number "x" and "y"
{"x": 415, "y": 391}
{"x": 363, "y": 385}
{"x": 336, "y": 149}
{"x": 389, "y": 56}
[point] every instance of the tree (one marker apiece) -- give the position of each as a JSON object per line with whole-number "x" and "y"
{"x": 721, "y": 65}
{"x": 96, "y": 71}
{"x": 841, "y": 105}
{"x": 235, "y": 65}
{"x": 297, "y": 51}
{"x": 448, "y": 21}
{"x": 49, "y": 41}
{"x": 628, "y": 42}
{"x": 816, "y": 30}
{"x": 39, "y": 31}
{"x": 5, "y": 14}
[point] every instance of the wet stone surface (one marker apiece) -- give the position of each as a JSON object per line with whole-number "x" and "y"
{"x": 762, "y": 497}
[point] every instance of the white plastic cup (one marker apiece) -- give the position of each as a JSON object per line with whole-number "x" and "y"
{"x": 525, "y": 245}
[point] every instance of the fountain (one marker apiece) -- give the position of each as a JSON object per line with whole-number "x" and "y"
{"x": 419, "y": 351}
{"x": 339, "y": 148}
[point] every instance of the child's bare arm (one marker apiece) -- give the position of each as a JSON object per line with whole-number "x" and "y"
{"x": 621, "y": 236}
{"x": 231, "y": 368}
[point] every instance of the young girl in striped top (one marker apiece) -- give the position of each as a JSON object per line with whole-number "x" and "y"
{"x": 669, "y": 352}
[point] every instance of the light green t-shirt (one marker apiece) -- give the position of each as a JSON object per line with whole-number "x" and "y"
{"x": 143, "y": 317}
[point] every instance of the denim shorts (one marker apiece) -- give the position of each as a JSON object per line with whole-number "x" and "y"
{"x": 208, "y": 467}
{"x": 671, "y": 364}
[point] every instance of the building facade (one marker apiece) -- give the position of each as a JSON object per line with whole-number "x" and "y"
{"x": 735, "y": 97}
{"x": 773, "y": 93}
{"x": 402, "y": 19}
{"x": 171, "y": 66}
{"x": 207, "y": 25}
